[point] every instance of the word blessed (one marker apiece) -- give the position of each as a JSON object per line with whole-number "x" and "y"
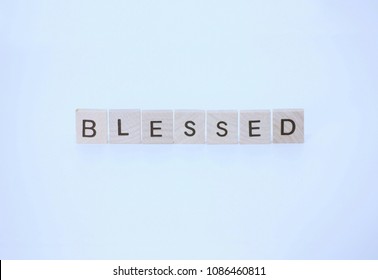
{"x": 189, "y": 126}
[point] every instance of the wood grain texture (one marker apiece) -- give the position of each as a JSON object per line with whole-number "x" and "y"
{"x": 125, "y": 126}
{"x": 157, "y": 127}
{"x": 255, "y": 127}
{"x": 288, "y": 126}
{"x": 222, "y": 127}
{"x": 189, "y": 127}
{"x": 91, "y": 126}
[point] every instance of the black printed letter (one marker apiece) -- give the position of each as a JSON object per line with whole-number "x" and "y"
{"x": 222, "y": 128}
{"x": 283, "y": 127}
{"x": 120, "y": 133}
{"x": 85, "y": 127}
{"x": 152, "y": 128}
{"x": 253, "y": 128}
{"x": 190, "y": 128}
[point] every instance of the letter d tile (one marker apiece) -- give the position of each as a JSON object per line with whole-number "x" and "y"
{"x": 288, "y": 126}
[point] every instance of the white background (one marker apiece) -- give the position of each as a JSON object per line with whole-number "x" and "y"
{"x": 61, "y": 200}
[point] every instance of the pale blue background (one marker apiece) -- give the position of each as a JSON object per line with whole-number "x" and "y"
{"x": 61, "y": 200}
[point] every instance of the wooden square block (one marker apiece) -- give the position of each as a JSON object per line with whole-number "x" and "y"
{"x": 189, "y": 127}
{"x": 91, "y": 126}
{"x": 222, "y": 127}
{"x": 125, "y": 126}
{"x": 157, "y": 127}
{"x": 288, "y": 126}
{"x": 255, "y": 127}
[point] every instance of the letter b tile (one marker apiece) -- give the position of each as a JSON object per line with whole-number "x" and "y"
{"x": 91, "y": 126}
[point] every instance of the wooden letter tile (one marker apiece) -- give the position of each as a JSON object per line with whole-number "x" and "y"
{"x": 124, "y": 126}
{"x": 157, "y": 127}
{"x": 255, "y": 127}
{"x": 222, "y": 127}
{"x": 288, "y": 126}
{"x": 91, "y": 126}
{"x": 189, "y": 127}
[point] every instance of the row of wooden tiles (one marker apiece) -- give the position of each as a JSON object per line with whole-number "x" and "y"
{"x": 128, "y": 126}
